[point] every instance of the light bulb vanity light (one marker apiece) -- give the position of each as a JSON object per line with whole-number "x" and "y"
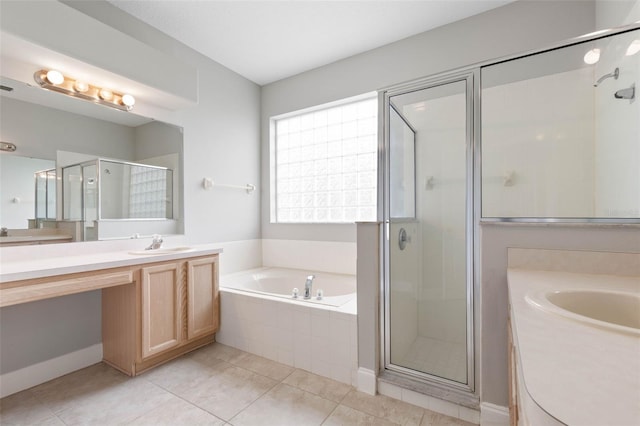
{"x": 56, "y": 81}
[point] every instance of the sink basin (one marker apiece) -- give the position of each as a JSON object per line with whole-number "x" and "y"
{"x": 614, "y": 310}
{"x": 168, "y": 250}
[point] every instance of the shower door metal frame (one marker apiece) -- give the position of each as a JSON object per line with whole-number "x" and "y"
{"x": 471, "y": 79}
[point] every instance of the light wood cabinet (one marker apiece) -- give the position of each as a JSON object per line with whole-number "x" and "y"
{"x": 162, "y": 306}
{"x": 203, "y": 297}
{"x": 171, "y": 308}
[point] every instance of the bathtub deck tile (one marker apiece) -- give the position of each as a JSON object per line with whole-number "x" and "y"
{"x": 284, "y": 317}
{"x": 301, "y": 320}
{"x": 320, "y": 323}
{"x": 302, "y": 352}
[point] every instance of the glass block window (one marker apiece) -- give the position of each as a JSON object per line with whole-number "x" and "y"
{"x": 149, "y": 192}
{"x": 326, "y": 164}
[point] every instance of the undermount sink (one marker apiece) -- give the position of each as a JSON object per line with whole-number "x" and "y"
{"x": 168, "y": 250}
{"x": 614, "y": 310}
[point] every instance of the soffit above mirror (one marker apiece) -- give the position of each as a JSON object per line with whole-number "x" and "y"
{"x": 51, "y": 35}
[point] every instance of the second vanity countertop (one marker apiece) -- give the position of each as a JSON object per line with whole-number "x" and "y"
{"x": 39, "y": 267}
{"x": 578, "y": 373}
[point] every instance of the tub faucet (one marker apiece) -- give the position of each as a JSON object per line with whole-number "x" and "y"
{"x": 156, "y": 243}
{"x": 307, "y": 286}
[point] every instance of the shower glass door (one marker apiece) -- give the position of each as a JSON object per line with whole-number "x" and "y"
{"x": 428, "y": 274}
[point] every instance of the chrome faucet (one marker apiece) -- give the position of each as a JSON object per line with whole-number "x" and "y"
{"x": 307, "y": 286}
{"x": 156, "y": 243}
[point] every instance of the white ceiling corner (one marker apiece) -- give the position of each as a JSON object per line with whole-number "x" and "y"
{"x": 266, "y": 40}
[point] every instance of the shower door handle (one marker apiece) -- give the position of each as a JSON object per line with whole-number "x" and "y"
{"x": 403, "y": 239}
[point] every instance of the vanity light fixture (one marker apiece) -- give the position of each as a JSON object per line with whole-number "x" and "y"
{"x": 81, "y": 86}
{"x": 106, "y": 94}
{"x": 56, "y": 81}
{"x": 54, "y": 77}
{"x": 128, "y": 101}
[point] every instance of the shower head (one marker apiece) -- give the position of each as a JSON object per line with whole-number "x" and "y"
{"x": 615, "y": 74}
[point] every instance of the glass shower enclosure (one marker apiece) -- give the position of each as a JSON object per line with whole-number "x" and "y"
{"x": 101, "y": 189}
{"x": 549, "y": 136}
{"x": 429, "y": 231}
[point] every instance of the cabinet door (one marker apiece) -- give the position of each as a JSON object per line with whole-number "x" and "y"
{"x": 162, "y": 308}
{"x": 202, "y": 295}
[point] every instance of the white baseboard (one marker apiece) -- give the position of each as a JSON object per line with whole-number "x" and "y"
{"x": 27, "y": 377}
{"x": 367, "y": 381}
{"x": 493, "y": 415}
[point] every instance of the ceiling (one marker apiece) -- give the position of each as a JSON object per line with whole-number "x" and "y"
{"x": 267, "y": 40}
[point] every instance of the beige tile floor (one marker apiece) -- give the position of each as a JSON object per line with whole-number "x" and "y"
{"x": 215, "y": 385}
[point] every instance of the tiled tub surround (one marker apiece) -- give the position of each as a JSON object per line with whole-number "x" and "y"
{"x": 318, "y": 338}
{"x": 572, "y": 372}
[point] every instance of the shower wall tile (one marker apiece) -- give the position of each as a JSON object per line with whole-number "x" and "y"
{"x": 586, "y": 262}
{"x": 543, "y": 138}
{"x": 325, "y": 256}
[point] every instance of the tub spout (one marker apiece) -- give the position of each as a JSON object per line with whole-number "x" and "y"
{"x": 307, "y": 286}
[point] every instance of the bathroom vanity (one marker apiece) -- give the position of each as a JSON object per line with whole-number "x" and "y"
{"x": 155, "y": 306}
{"x": 569, "y": 368}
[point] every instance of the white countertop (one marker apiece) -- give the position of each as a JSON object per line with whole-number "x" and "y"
{"x": 578, "y": 373}
{"x": 38, "y": 267}
{"x": 33, "y": 238}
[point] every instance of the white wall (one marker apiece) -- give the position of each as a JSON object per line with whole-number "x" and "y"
{"x": 39, "y": 131}
{"x": 17, "y": 189}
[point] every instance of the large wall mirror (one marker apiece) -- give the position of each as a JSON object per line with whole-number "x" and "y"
{"x": 84, "y": 172}
{"x": 561, "y": 134}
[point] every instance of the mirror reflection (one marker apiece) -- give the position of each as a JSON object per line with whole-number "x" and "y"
{"x": 561, "y": 133}
{"x": 123, "y": 172}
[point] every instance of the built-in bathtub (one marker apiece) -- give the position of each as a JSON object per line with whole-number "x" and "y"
{"x": 260, "y": 316}
{"x": 335, "y": 289}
